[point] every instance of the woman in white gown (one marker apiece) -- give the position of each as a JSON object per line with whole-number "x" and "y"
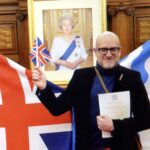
{"x": 67, "y": 51}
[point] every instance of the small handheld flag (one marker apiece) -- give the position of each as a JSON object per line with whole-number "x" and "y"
{"x": 39, "y": 54}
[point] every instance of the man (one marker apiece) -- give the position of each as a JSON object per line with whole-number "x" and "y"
{"x": 82, "y": 94}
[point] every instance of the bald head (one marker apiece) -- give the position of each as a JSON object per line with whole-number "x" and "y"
{"x": 108, "y": 49}
{"x": 107, "y": 38}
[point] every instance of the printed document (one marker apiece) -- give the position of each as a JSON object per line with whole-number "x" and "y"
{"x": 116, "y": 105}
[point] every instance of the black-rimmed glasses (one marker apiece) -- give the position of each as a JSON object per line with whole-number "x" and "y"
{"x": 104, "y": 50}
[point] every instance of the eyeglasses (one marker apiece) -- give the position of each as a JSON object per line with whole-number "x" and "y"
{"x": 104, "y": 50}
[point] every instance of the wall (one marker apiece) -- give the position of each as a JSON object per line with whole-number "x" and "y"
{"x": 130, "y": 19}
{"x": 14, "y": 31}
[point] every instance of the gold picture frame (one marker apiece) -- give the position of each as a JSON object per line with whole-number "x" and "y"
{"x": 36, "y": 26}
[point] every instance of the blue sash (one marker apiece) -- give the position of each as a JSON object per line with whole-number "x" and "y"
{"x": 68, "y": 51}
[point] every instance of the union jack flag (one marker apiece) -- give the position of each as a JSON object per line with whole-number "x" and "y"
{"x": 39, "y": 54}
{"x": 25, "y": 124}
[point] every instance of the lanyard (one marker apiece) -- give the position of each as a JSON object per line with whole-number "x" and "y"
{"x": 101, "y": 80}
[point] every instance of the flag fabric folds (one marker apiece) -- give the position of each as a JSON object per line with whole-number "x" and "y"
{"x": 39, "y": 54}
{"x": 139, "y": 60}
{"x": 25, "y": 124}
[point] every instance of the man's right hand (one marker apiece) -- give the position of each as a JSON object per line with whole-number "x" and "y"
{"x": 39, "y": 78}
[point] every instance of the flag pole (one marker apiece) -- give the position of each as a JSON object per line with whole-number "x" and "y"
{"x": 37, "y": 51}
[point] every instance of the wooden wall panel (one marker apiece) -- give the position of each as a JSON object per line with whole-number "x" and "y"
{"x": 121, "y": 15}
{"x": 23, "y": 38}
{"x": 141, "y": 25}
{"x": 8, "y": 2}
{"x": 130, "y": 19}
{"x": 14, "y": 38}
{"x": 8, "y": 36}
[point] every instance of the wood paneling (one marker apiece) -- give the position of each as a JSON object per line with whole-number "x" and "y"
{"x": 23, "y": 38}
{"x": 8, "y": 2}
{"x": 130, "y": 19}
{"x": 141, "y": 25}
{"x": 8, "y": 36}
{"x": 121, "y": 15}
{"x": 14, "y": 40}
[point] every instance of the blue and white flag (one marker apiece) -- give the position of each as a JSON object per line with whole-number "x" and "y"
{"x": 139, "y": 60}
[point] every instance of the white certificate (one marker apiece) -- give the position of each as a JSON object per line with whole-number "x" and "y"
{"x": 115, "y": 105}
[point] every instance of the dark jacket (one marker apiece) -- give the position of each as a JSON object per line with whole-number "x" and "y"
{"x": 77, "y": 95}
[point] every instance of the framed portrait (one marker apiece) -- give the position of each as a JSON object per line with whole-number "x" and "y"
{"x": 89, "y": 19}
